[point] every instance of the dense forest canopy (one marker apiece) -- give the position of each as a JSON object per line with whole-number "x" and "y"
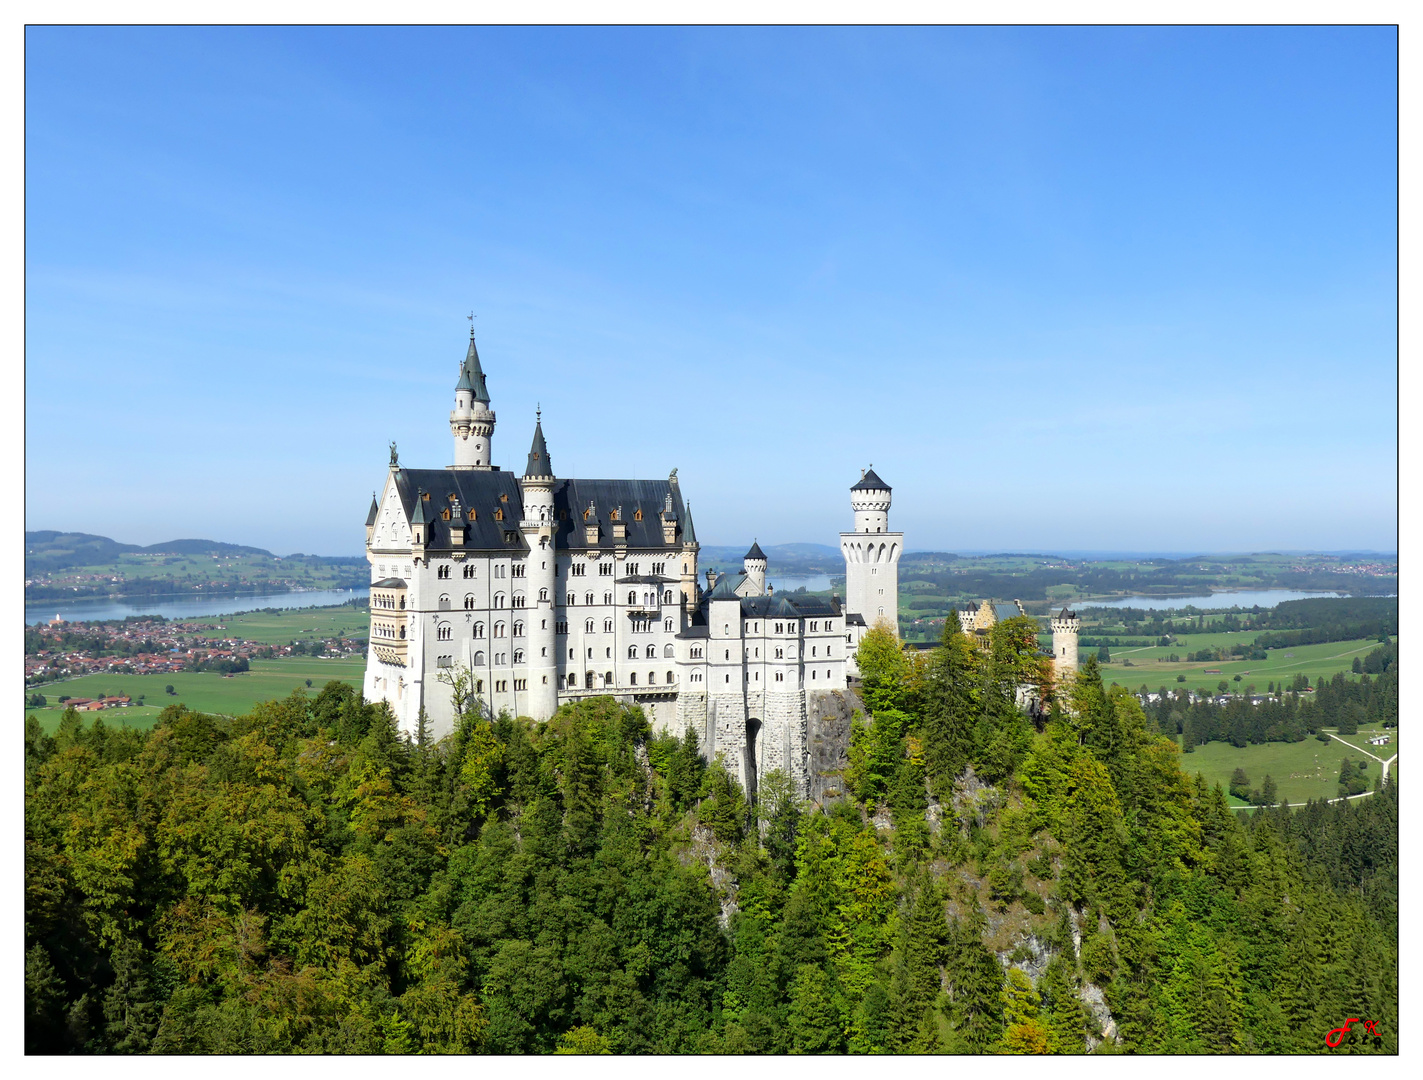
{"x": 992, "y": 880}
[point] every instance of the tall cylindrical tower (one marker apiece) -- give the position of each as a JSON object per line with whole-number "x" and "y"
{"x": 872, "y": 555}
{"x": 1064, "y": 645}
{"x": 472, "y": 420}
{"x": 538, "y": 527}
{"x": 754, "y": 563}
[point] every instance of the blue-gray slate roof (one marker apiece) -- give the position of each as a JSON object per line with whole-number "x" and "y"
{"x": 539, "y": 464}
{"x": 870, "y": 482}
{"x": 472, "y": 375}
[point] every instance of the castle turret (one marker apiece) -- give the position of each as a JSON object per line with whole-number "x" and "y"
{"x": 1064, "y": 645}
{"x": 754, "y": 563}
{"x": 690, "y": 548}
{"x": 872, "y": 555}
{"x": 538, "y": 526}
{"x": 472, "y": 420}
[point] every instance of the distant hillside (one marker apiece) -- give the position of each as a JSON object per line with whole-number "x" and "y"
{"x": 74, "y": 566}
{"x": 789, "y": 559}
{"x": 47, "y": 550}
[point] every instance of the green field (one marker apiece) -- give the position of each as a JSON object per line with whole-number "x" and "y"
{"x": 298, "y": 624}
{"x": 1301, "y": 771}
{"x": 1150, "y": 666}
{"x": 201, "y": 691}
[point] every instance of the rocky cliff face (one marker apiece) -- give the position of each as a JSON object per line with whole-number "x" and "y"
{"x": 828, "y": 742}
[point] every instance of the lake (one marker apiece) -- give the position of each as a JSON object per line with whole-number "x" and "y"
{"x": 1245, "y": 598}
{"x": 185, "y": 607}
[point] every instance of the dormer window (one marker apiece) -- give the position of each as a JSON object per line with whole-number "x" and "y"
{"x": 637, "y": 514}
{"x": 614, "y": 515}
{"x": 504, "y": 497}
{"x": 425, "y": 496}
{"x": 498, "y": 513}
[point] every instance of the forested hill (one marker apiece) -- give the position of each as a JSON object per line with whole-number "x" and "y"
{"x": 47, "y": 550}
{"x": 302, "y": 879}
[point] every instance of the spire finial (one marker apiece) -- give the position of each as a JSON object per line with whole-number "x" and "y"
{"x": 471, "y": 318}
{"x": 538, "y": 414}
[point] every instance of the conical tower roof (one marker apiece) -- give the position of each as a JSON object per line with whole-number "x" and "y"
{"x": 756, "y": 552}
{"x": 870, "y": 482}
{"x": 689, "y": 533}
{"x": 375, "y": 511}
{"x": 539, "y": 464}
{"x": 472, "y": 375}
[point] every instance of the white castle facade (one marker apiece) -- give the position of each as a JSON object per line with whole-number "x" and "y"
{"x": 548, "y": 589}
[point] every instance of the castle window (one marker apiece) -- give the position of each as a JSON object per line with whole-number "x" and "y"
{"x": 637, "y": 514}
{"x": 667, "y": 650}
{"x": 570, "y": 600}
{"x": 518, "y": 656}
{"x": 444, "y": 601}
{"x": 469, "y": 601}
{"x": 828, "y": 626}
{"x": 444, "y": 631}
{"x": 588, "y": 626}
{"x": 779, "y": 628}
{"x": 780, "y": 654}
{"x": 605, "y": 569}
{"x": 632, "y": 678}
{"x": 518, "y": 629}
{"x": 632, "y": 652}
{"x": 780, "y": 677}
{"x": 499, "y": 571}
{"x": 659, "y": 568}
{"x": 519, "y": 569}
{"x": 696, "y": 676}
{"x": 425, "y": 496}
{"x": 696, "y": 652}
{"x": 479, "y": 686}
{"x": 579, "y": 569}
{"x": 631, "y": 568}
{"x": 504, "y": 497}
{"x": 588, "y": 598}
{"x": 670, "y": 678}
{"x": 499, "y": 629}
{"x": 814, "y": 626}
{"x": 443, "y": 572}
{"x": 518, "y": 600}
{"x": 667, "y": 597}
{"x": 572, "y": 681}
{"x": 607, "y": 626}
{"x": 667, "y": 624}
{"x": 498, "y": 513}
{"x": 469, "y": 571}
{"x": 501, "y": 686}
{"x": 607, "y": 678}
{"x": 479, "y": 629}
{"x": 632, "y": 598}
{"x": 651, "y": 651}
{"x": 812, "y": 650}
{"x": 444, "y": 661}
{"x": 560, "y": 627}
{"x": 543, "y": 596}
{"x": 499, "y": 599}
{"x": 479, "y": 659}
{"x": 607, "y": 598}
{"x": 652, "y": 678}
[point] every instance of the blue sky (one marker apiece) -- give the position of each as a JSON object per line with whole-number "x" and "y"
{"x": 1065, "y": 288}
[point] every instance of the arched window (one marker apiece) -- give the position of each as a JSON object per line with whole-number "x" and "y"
{"x": 652, "y": 678}
{"x": 607, "y": 678}
{"x": 402, "y": 633}
{"x": 651, "y": 651}
{"x": 499, "y": 599}
{"x": 632, "y": 652}
{"x": 499, "y": 629}
{"x": 632, "y": 597}
{"x": 572, "y": 680}
{"x": 518, "y": 656}
{"x": 444, "y": 631}
{"x": 479, "y": 629}
{"x": 518, "y": 600}
{"x": 667, "y": 597}
{"x": 632, "y": 678}
{"x": 670, "y": 678}
{"x": 570, "y": 600}
{"x": 667, "y": 650}
{"x": 518, "y": 629}
{"x": 543, "y": 595}
{"x": 587, "y": 598}
{"x": 607, "y": 626}
{"x": 588, "y": 626}
{"x": 667, "y": 624}
{"x": 607, "y": 598}
{"x": 469, "y": 571}
{"x": 444, "y": 601}
{"x": 479, "y": 658}
{"x": 469, "y": 601}
{"x": 442, "y": 572}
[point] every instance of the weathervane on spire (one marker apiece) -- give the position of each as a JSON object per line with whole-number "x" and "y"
{"x": 471, "y": 317}
{"x": 539, "y": 414}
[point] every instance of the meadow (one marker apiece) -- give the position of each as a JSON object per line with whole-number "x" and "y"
{"x": 1301, "y": 771}
{"x": 1152, "y": 666}
{"x": 204, "y": 691}
{"x": 297, "y": 624}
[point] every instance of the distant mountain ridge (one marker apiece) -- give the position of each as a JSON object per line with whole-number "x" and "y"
{"x": 48, "y": 550}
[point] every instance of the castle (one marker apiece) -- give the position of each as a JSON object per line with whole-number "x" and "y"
{"x": 548, "y": 589}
